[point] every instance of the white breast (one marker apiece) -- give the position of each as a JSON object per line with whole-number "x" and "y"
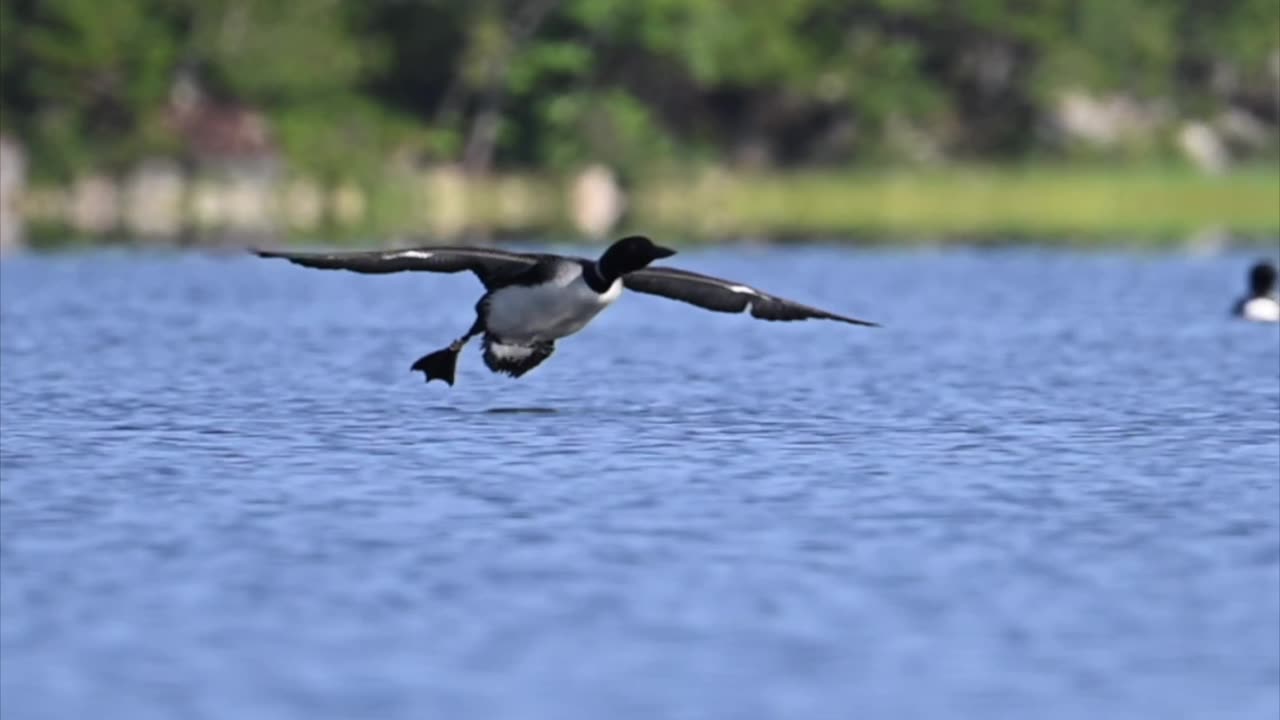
{"x": 1261, "y": 309}
{"x": 549, "y": 311}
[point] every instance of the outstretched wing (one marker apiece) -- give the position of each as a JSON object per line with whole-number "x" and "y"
{"x": 725, "y": 296}
{"x": 488, "y": 264}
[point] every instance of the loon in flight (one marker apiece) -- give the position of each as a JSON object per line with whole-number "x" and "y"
{"x": 534, "y": 299}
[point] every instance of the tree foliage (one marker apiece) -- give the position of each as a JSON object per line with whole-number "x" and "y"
{"x": 550, "y": 84}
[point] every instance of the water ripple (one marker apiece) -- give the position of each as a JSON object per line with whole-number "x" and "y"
{"x": 224, "y": 495}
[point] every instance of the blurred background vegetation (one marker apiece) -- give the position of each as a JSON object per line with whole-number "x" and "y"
{"x": 1067, "y": 117}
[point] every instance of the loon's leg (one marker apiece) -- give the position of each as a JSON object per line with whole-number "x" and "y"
{"x": 443, "y": 364}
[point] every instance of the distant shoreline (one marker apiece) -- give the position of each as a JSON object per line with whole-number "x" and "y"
{"x": 970, "y": 204}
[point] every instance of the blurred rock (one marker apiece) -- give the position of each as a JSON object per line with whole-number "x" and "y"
{"x": 94, "y": 205}
{"x": 13, "y": 180}
{"x": 348, "y": 204}
{"x": 153, "y": 196}
{"x": 517, "y": 204}
{"x": 304, "y": 205}
{"x": 249, "y": 203}
{"x": 445, "y": 189}
{"x": 1243, "y": 129}
{"x": 207, "y": 204}
{"x": 1203, "y": 146}
{"x": 596, "y": 201}
{"x": 1105, "y": 121}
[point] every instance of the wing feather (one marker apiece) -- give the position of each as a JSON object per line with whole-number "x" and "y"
{"x": 727, "y": 296}
{"x": 488, "y": 264}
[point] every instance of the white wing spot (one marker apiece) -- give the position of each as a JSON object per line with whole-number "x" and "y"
{"x": 420, "y": 254}
{"x": 742, "y": 289}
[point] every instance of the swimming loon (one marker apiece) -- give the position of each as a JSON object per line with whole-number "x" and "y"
{"x": 534, "y": 299}
{"x": 1262, "y": 304}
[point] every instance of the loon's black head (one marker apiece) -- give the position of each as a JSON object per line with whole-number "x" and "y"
{"x": 1262, "y": 278}
{"x": 629, "y": 254}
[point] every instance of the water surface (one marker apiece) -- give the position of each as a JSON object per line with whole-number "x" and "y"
{"x": 1047, "y": 488}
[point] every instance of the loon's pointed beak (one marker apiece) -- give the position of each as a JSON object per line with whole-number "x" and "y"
{"x": 661, "y": 252}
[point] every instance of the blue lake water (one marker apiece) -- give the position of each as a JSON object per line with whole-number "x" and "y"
{"x": 1049, "y": 487}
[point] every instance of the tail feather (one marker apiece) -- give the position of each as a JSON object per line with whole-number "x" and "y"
{"x": 515, "y": 359}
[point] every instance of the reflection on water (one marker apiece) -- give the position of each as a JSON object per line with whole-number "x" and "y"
{"x": 1048, "y": 487}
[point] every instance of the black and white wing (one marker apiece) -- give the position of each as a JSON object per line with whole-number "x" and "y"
{"x": 725, "y": 295}
{"x": 490, "y": 265}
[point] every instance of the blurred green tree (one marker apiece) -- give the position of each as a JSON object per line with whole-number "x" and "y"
{"x": 556, "y": 83}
